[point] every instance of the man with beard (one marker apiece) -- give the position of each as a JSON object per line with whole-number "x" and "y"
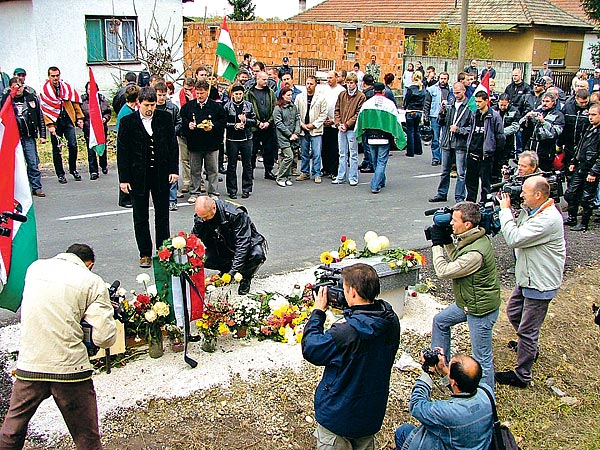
{"x": 436, "y": 96}
{"x": 510, "y": 118}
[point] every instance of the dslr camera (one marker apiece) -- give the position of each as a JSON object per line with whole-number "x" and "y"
{"x": 332, "y": 279}
{"x": 119, "y": 314}
{"x": 430, "y": 358}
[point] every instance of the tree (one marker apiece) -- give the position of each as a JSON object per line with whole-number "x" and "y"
{"x": 243, "y": 10}
{"x": 592, "y": 10}
{"x": 444, "y": 43}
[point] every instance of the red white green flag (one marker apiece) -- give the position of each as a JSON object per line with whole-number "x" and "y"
{"x": 97, "y": 137}
{"x": 227, "y": 66}
{"x": 19, "y": 249}
{"x": 484, "y": 86}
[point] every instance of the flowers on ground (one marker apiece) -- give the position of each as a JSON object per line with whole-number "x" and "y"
{"x": 217, "y": 317}
{"x": 183, "y": 253}
{"x": 147, "y": 313}
{"x": 403, "y": 260}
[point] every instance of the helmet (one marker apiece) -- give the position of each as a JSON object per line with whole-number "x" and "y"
{"x": 426, "y": 133}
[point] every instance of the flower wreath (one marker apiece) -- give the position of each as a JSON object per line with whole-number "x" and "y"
{"x": 183, "y": 253}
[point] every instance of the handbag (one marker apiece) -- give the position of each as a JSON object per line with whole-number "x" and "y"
{"x": 502, "y": 437}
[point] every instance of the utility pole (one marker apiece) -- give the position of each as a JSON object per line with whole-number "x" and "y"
{"x": 462, "y": 43}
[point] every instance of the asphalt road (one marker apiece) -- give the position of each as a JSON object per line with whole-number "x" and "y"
{"x": 299, "y": 222}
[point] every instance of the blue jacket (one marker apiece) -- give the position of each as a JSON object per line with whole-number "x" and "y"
{"x": 357, "y": 352}
{"x": 493, "y": 133}
{"x": 463, "y": 422}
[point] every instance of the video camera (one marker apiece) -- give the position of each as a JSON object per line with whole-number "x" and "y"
{"x": 514, "y": 186}
{"x": 119, "y": 314}
{"x": 489, "y": 218}
{"x": 5, "y": 231}
{"x": 441, "y": 218}
{"x": 332, "y": 279}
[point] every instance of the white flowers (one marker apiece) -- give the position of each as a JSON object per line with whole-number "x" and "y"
{"x": 376, "y": 243}
{"x": 151, "y": 290}
{"x": 351, "y": 245}
{"x": 142, "y": 278}
{"x": 150, "y": 315}
{"x": 277, "y": 302}
{"x": 161, "y": 309}
{"x": 238, "y": 277}
{"x": 178, "y": 242}
{"x": 370, "y": 235}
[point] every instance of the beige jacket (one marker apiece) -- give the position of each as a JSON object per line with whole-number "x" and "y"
{"x": 59, "y": 293}
{"x": 317, "y": 113}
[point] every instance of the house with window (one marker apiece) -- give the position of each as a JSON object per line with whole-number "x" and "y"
{"x": 112, "y": 37}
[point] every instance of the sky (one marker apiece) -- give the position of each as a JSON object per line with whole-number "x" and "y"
{"x": 265, "y": 9}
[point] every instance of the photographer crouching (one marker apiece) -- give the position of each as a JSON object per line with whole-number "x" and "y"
{"x": 472, "y": 269}
{"x": 537, "y": 237}
{"x": 358, "y": 353}
{"x": 59, "y": 294}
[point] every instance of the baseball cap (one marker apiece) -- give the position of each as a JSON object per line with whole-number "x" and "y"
{"x": 19, "y": 71}
{"x": 286, "y": 59}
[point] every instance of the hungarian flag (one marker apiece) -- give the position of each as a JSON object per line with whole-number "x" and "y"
{"x": 484, "y": 86}
{"x": 227, "y": 66}
{"x": 97, "y": 137}
{"x": 380, "y": 113}
{"x": 19, "y": 249}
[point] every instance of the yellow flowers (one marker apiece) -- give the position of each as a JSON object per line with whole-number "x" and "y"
{"x": 226, "y": 277}
{"x": 223, "y": 329}
{"x": 392, "y": 265}
{"x": 326, "y": 258}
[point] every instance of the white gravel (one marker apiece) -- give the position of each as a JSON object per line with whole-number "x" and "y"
{"x": 170, "y": 376}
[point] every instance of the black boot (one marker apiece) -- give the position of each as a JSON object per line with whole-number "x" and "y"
{"x": 570, "y": 220}
{"x": 585, "y": 221}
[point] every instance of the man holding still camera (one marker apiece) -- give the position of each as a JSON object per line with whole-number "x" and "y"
{"x": 358, "y": 353}
{"x": 464, "y": 421}
{"x": 472, "y": 269}
{"x": 59, "y": 294}
{"x": 537, "y": 237}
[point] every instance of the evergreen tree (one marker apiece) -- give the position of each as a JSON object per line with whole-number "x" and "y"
{"x": 243, "y": 10}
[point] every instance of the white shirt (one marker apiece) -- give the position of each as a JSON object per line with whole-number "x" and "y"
{"x": 331, "y": 96}
{"x": 147, "y": 122}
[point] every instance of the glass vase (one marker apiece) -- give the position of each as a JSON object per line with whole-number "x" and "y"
{"x": 155, "y": 346}
{"x": 209, "y": 344}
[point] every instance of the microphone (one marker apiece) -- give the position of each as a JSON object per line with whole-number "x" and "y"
{"x": 15, "y": 216}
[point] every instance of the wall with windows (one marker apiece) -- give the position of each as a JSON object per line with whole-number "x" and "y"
{"x": 71, "y": 34}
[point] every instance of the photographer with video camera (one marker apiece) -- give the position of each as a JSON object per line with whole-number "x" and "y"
{"x": 358, "y": 353}
{"x": 59, "y": 294}
{"x": 472, "y": 268}
{"x": 537, "y": 237}
{"x": 464, "y": 421}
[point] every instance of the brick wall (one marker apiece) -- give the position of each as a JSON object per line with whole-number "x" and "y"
{"x": 269, "y": 42}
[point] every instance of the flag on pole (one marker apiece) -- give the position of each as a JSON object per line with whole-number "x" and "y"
{"x": 484, "y": 85}
{"x": 19, "y": 249}
{"x": 97, "y": 136}
{"x": 227, "y": 66}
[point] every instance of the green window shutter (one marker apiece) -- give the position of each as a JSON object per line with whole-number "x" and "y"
{"x": 95, "y": 40}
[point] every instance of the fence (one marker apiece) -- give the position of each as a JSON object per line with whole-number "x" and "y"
{"x": 310, "y": 66}
{"x": 563, "y": 79}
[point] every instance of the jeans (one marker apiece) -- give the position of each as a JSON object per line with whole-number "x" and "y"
{"x": 32, "y": 160}
{"x": 413, "y": 138}
{"x": 480, "y": 330}
{"x": 402, "y": 433}
{"x": 348, "y": 144}
{"x": 526, "y": 315}
{"x": 460, "y": 190}
{"x": 379, "y": 158}
{"x": 243, "y": 148}
{"x": 366, "y": 162}
{"x": 68, "y": 132}
{"x": 436, "y": 153}
{"x": 476, "y": 169}
{"x": 173, "y": 193}
{"x": 311, "y": 144}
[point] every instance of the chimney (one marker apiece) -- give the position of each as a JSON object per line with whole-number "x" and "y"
{"x": 302, "y": 5}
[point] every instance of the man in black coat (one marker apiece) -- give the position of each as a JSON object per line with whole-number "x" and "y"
{"x": 148, "y": 162}
{"x": 231, "y": 240}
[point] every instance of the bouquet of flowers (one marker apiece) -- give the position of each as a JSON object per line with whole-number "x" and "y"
{"x": 374, "y": 244}
{"x": 403, "y": 260}
{"x": 216, "y": 280}
{"x": 182, "y": 253}
{"x": 217, "y": 318}
{"x": 246, "y": 312}
{"x": 147, "y": 312}
{"x": 174, "y": 333}
{"x": 347, "y": 248}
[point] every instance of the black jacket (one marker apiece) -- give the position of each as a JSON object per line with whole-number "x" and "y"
{"x": 229, "y": 233}
{"x": 415, "y": 98}
{"x": 119, "y": 98}
{"x": 518, "y": 96}
{"x": 457, "y": 140}
{"x": 510, "y": 119}
{"x": 199, "y": 140}
{"x": 576, "y": 123}
{"x": 588, "y": 153}
{"x": 232, "y": 120}
{"x": 132, "y": 157}
{"x": 493, "y": 133}
{"x": 32, "y": 123}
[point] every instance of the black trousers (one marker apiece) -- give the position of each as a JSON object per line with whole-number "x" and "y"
{"x": 330, "y": 156}
{"x": 141, "y": 217}
{"x": 478, "y": 169}
{"x": 92, "y": 155}
{"x": 66, "y": 130}
{"x": 581, "y": 192}
{"x": 265, "y": 140}
{"x": 221, "y": 261}
{"x": 243, "y": 148}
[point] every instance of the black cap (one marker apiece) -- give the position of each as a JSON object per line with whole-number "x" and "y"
{"x": 379, "y": 87}
{"x": 539, "y": 82}
{"x": 237, "y": 87}
{"x": 286, "y": 59}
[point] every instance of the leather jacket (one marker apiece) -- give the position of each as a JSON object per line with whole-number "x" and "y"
{"x": 32, "y": 121}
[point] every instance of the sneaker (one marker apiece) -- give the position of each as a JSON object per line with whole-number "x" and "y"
{"x": 289, "y": 183}
{"x": 353, "y": 183}
{"x": 580, "y": 227}
{"x": 302, "y": 177}
{"x": 192, "y": 199}
{"x": 570, "y": 221}
{"x": 375, "y": 191}
{"x": 76, "y": 175}
{"x": 295, "y": 172}
{"x": 367, "y": 170}
{"x": 510, "y": 378}
{"x": 318, "y": 180}
{"x": 62, "y": 179}
{"x": 179, "y": 194}
{"x": 281, "y": 183}
{"x": 245, "y": 194}
{"x": 39, "y": 193}
{"x": 336, "y": 181}
{"x": 244, "y": 286}
{"x": 94, "y": 176}
{"x": 172, "y": 206}
{"x": 145, "y": 262}
{"x": 453, "y": 174}
{"x": 232, "y": 196}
